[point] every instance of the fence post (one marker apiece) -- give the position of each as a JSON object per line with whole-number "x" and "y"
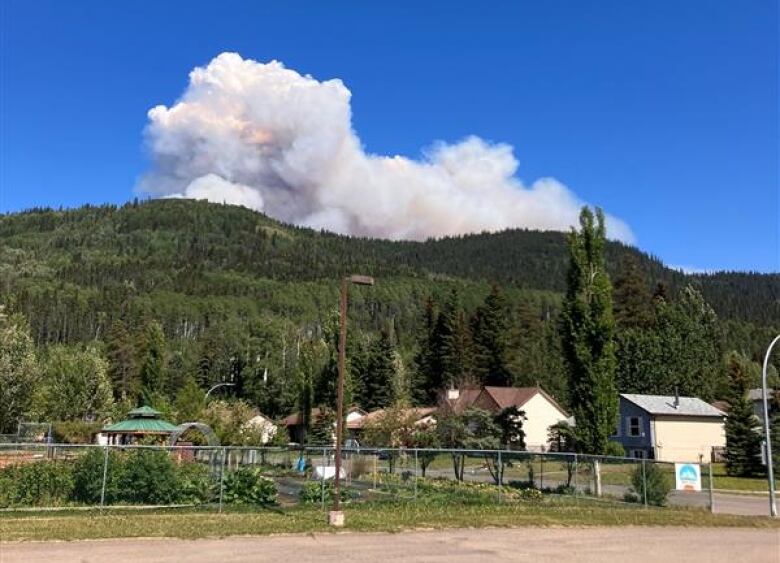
{"x": 597, "y": 476}
{"x": 222, "y": 478}
{"x": 575, "y": 474}
{"x": 644, "y": 483}
{"x": 500, "y": 476}
{"x": 712, "y": 495}
{"x": 415, "y": 473}
{"x": 322, "y": 480}
{"x": 541, "y": 471}
{"x": 105, "y": 475}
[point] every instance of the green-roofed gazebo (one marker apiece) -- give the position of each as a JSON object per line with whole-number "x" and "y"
{"x": 140, "y": 423}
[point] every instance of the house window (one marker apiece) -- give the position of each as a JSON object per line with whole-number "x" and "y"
{"x": 638, "y": 454}
{"x": 634, "y": 426}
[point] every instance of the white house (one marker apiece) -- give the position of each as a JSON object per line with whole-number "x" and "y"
{"x": 541, "y": 410}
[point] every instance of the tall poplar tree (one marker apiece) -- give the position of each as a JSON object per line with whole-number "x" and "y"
{"x": 587, "y": 331}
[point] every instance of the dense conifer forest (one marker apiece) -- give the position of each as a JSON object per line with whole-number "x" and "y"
{"x": 171, "y": 296}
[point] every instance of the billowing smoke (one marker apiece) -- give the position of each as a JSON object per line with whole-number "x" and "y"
{"x": 265, "y": 137}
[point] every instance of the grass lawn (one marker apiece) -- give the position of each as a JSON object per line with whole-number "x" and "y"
{"x": 724, "y": 481}
{"x": 375, "y": 517}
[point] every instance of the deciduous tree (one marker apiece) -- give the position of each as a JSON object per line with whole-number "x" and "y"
{"x": 587, "y": 332}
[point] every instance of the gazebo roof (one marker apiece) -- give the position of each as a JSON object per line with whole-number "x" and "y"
{"x": 143, "y": 420}
{"x": 144, "y": 412}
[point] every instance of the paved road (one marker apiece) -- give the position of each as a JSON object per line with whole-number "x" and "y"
{"x": 561, "y": 545}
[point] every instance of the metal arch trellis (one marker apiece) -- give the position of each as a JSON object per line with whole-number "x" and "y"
{"x": 204, "y": 429}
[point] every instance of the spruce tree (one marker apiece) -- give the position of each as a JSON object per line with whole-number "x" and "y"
{"x": 152, "y": 363}
{"x": 743, "y": 441}
{"x": 632, "y": 298}
{"x": 323, "y": 427}
{"x": 587, "y": 329}
{"x": 380, "y": 374}
{"x": 121, "y": 362}
{"x": 426, "y": 381}
{"x": 452, "y": 344}
{"x": 490, "y": 335}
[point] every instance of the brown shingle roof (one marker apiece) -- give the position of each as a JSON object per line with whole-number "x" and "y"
{"x": 465, "y": 400}
{"x": 495, "y": 399}
{"x": 511, "y": 396}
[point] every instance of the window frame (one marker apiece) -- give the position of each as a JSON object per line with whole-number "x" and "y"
{"x": 630, "y": 427}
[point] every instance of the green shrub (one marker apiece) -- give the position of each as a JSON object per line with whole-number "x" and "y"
{"x": 75, "y": 431}
{"x": 562, "y": 489}
{"x": 196, "y": 484}
{"x": 614, "y": 449}
{"x": 247, "y": 485}
{"x": 148, "y": 477}
{"x": 88, "y": 477}
{"x": 39, "y": 483}
{"x": 658, "y": 484}
{"x": 311, "y": 492}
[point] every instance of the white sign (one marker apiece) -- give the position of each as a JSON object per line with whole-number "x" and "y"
{"x": 687, "y": 476}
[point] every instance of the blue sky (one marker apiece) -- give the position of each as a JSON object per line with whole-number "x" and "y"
{"x": 664, "y": 113}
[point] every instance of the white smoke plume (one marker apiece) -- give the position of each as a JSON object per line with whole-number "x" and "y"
{"x": 265, "y": 137}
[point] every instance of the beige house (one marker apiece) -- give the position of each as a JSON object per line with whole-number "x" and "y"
{"x": 669, "y": 428}
{"x": 541, "y": 410}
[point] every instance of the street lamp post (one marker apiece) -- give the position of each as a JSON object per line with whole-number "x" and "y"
{"x": 336, "y": 517}
{"x": 217, "y": 386}
{"x": 767, "y": 433}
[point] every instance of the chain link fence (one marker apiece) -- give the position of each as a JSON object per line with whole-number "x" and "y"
{"x": 50, "y": 476}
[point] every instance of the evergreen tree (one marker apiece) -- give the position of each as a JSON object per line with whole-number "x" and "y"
{"x": 743, "y": 441}
{"x": 18, "y": 370}
{"x": 490, "y": 334}
{"x": 190, "y": 402}
{"x": 152, "y": 365}
{"x": 632, "y": 299}
{"x": 380, "y": 374}
{"x": 774, "y": 428}
{"x": 122, "y": 368}
{"x": 451, "y": 344}
{"x": 427, "y": 380}
{"x": 587, "y": 335}
{"x": 323, "y": 427}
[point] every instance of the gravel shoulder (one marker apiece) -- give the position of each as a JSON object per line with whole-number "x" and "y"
{"x": 624, "y": 544}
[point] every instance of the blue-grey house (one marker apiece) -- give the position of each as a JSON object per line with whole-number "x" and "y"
{"x": 669, "y": 428}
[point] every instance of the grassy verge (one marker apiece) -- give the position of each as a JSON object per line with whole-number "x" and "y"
{"x": 374, "y": 517}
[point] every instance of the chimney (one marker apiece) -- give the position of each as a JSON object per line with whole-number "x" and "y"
{"x": 676, "y": 396}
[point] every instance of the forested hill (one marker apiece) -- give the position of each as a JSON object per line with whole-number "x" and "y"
{"x": 207, "y": 250}
{"x": 168, "y": 297}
